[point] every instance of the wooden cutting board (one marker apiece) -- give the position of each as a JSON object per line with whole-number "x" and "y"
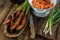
{"x": 40, "y": 25}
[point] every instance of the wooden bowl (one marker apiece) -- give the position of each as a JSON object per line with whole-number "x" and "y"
{"x": 14, "y": 35}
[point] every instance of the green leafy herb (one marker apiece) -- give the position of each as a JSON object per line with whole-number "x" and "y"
{"x": 53, "y": 19}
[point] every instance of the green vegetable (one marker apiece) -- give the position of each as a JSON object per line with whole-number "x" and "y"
{"x": 23, "y": 6}
{"x": 53, "y": 19}
{"x": 28, "y": 8}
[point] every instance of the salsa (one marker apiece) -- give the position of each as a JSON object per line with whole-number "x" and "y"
{"x": 42, "y": 4}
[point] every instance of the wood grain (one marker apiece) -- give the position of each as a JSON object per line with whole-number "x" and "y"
{"x": 2, "y": 36}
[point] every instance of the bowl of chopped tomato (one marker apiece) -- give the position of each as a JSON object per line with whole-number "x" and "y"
{"x": 41, "y": 8}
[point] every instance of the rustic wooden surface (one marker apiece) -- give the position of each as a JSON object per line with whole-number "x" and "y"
{"x": 6, "y": 9}
{"x": 39, "y": 25}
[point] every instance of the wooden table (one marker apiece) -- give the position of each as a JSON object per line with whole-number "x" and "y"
{"x": 39, "y": 25}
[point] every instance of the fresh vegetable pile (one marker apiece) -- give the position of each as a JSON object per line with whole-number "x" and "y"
{"x": 42, "y": 4}
{"x": 53, "y": 19}
{"x": 18, "y": 18}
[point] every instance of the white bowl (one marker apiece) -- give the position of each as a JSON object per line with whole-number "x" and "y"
{"x": 42, "y": 12}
